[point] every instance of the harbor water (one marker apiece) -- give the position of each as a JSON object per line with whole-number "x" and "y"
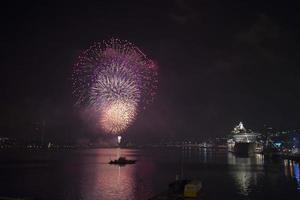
{"x": 86, "y": 174}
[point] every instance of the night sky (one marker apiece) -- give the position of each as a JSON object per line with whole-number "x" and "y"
{"x": 220, "y": 62}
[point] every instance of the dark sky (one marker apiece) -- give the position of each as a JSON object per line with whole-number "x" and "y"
{"x": 220, "y": 62}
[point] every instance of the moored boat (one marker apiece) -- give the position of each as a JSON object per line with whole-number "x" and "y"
{"x": 122, "y": 161}
{"x": 181, "y": 189}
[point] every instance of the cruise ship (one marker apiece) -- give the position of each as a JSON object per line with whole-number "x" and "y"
{"x": 243, "y": 141}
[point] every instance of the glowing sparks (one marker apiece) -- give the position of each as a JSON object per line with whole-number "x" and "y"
{"x": 114, "y": 78}
{"x": 117, "y": 116}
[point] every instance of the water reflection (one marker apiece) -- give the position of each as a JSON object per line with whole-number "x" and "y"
{"x": 205, "y": 155}
{"x": 104, "y": 181}
{"x": 246, "y": 171}
{"x": 292, "y": 170}
{"x": 86, "y": 175}
{"x": 193, "y": 154}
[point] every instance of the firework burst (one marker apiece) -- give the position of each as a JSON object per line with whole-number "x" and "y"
{"x": 114, "y": 79}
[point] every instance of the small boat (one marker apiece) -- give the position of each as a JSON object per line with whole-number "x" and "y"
{"x": 122, "y": 161}
{"x": 192, "y": 189}
{"x": 181, "y": 189}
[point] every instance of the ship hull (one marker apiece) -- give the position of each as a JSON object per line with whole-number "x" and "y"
{"x": 243, "y": 148}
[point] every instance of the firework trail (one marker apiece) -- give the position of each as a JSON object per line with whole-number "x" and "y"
{"x": 114, "y": 79}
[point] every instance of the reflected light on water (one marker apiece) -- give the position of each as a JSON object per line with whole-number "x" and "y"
{"x": 297, "y": 174}
{"x": 110, "y": 181}
{"x": 246, "y": 171}
{"x": 113, "y": 182}
{"x": 86, "y": 175}
{"x": 203, "y": 155}
{"x": 292, "y": 169}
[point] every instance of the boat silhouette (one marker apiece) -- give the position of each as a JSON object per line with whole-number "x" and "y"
{"x": 121, "y": 161}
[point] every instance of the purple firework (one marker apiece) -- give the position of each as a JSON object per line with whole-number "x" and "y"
{"x": 114, "y": 78}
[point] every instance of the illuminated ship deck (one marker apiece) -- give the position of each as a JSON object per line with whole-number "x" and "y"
{"x": 243, "y": 141}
